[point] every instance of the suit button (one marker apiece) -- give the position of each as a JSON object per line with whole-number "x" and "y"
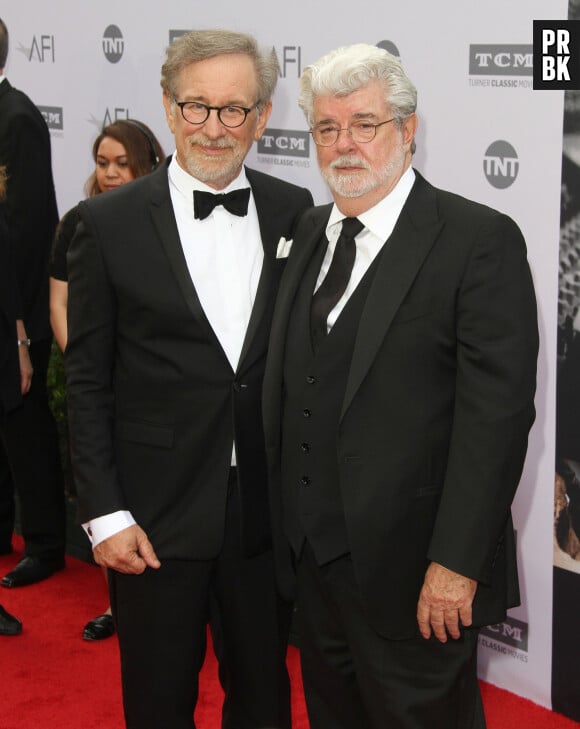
{"x": 306, "y": 412}
{"x": 305, "y": 480}
{"x": 310, "y": 379}
{"x": 305, "y": 447}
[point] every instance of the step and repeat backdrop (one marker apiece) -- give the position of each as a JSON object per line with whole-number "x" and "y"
{"x": 484, "y": 133}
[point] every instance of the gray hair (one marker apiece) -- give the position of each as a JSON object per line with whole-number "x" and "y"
{"x": 347, "y": 69}
{"x": 201, "y": 44}
{"x": 3, "y": 43}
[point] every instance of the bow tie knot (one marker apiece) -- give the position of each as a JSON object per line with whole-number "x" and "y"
{"x": 235, "y": 202}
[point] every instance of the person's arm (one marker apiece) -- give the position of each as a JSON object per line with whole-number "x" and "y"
{"x": 25, "y": 364}
{"x": 497, "y": 346}
{"x": 26, "y": 152}
{"x": 58, "y": 304}
{"x": 89, "y": 361}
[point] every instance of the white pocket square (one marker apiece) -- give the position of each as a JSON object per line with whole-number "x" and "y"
{"x": 284, "y": 247}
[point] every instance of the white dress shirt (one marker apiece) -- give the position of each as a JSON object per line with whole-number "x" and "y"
{"x": 379, "y": 222}
{"x": 224, "y": 256}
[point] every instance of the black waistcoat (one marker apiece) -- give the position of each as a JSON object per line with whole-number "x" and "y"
{"x": 314, "y": 385}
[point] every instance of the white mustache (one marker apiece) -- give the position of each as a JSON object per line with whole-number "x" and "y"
{"x": 204, "y": 141}
{"x": 348, "y": 161}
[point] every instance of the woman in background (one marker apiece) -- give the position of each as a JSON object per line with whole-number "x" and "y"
{"x": 123, "y": 151}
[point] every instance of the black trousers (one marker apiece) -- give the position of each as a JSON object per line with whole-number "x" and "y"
{"x": 30, "y": 464}
{"x": 356, "y": 679}
{"x": 161, "y": 618}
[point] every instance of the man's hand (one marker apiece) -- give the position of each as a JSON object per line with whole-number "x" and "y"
{"x": 128, "y": 551}
{"x": 445, "y": 602}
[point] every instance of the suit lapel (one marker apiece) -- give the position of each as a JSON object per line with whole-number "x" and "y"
{"x": 267, "y": 217}
{"x": 409, "y": 244}
{"x": 307, "y": 237}
{"x": 166, "y": 227}
{"x": 270, "y": 212}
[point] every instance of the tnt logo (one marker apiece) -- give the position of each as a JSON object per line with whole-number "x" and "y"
{"x": 113, "y": 44}
{"x": 557, "y": 54}
{"x": 501, "y": 164}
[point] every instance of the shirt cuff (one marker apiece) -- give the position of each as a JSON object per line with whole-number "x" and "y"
{"x": 105, "y": 526}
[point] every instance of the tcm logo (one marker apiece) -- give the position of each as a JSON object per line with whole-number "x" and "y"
{"x": 175, "y": 34}
{"x": 501, "y": 60}
{"x": 512, "y": 632}
{"x": 113, "y": 44}
{"x": 285, "y": 142}
{"x": 557, "y": 54}
{"x": 501, "y": 164}
{"x": 42, "y": 49}
{"x": 52, "y": 116}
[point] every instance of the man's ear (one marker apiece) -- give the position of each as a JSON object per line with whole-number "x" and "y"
{"x": 169, "y": 112}
{"x": 265, "y": 112}
{"x": 409, "y": 129}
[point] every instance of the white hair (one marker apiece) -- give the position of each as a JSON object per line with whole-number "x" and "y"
{"x": 347, "y": 69}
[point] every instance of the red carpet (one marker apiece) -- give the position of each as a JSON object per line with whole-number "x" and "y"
{"x": 51, "y": 679}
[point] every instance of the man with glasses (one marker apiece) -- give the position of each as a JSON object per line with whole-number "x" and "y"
{"x": 172, "y": 285}
{"x": 398, "y": 397}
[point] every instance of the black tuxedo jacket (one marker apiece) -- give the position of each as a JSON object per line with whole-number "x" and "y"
{"x": 154, "y": 404}
{"x": 434, "y": 420}
{"x": 32, "y": 212}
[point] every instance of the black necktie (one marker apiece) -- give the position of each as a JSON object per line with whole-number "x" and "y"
{"x": 334, "y": 285}
{"x": 235, "y": 202}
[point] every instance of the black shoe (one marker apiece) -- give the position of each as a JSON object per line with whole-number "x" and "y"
{"x": 99, "y": 628}
{"x": 30, "y": 570}
{"x": 9, "y": 625}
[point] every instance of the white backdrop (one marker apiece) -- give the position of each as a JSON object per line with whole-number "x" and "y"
{"x": 83, "y": 73}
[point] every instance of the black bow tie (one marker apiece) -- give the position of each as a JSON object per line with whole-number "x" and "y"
{"x": 235, "y": 202}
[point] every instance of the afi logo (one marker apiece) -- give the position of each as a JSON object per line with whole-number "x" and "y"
{"x": 285, "y": 142}
{"x": 42, "y": 49}
{"x": 113, "y": 44}
{"x": 111, "y": 115}
{"x": 289, "y": 59}
{"x": 501, "y": 164}
{"x": 501, "y": 60}
{"x": 118, "y": 112}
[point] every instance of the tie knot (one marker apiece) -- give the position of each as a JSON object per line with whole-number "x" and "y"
{"x": 351, "y": 227}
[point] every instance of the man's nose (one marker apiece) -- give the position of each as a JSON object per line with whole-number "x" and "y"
{"x": 213, "y": 126}
{"x": 345, "y": 140}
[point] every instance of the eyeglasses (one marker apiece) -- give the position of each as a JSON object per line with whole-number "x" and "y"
{"x": 362, "y": 132}
{"x": 230, "y": 116}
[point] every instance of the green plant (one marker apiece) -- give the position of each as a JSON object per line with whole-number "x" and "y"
{"x": 56, "y": 384}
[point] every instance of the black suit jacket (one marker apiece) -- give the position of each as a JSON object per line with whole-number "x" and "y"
{"x": 154, "y": 404}
{"x": 10, "y": 310}
{"x": 32, "y": 212}
{"x": 434, "y": 420}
